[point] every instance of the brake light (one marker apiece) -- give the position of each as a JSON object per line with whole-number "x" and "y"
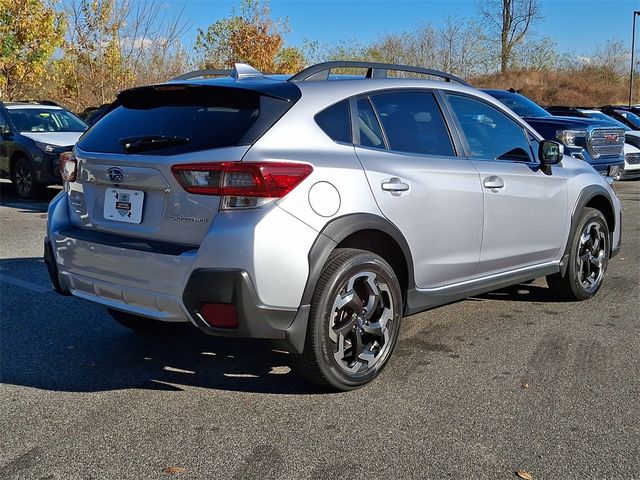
{"x": 241, "y": 184}
{"x": 68, "y": 166}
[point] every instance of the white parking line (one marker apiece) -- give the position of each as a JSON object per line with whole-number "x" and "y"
{"x": 24, "y": 284}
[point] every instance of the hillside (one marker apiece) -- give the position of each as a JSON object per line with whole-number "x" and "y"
{"x": 574, "y": 87}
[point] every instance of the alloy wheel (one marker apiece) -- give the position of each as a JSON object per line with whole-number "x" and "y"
{"x": 23, "y": 179}
{"x": 360, "y": 323}
{"x": 591, "y": 257}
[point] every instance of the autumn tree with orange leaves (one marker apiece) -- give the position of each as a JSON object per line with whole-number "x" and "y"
{"x": 250, "y": 35}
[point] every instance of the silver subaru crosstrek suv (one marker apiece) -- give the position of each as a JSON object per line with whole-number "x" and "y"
{"x": 318, "y": 209}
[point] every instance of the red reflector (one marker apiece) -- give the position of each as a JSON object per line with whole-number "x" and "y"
{"x": 220, "y": 315}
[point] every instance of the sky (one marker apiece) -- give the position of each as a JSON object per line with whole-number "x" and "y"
{"x": 577, "y": 26}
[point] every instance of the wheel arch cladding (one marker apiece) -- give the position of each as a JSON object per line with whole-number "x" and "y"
{"x": 367, "y": 232}
{"x": 603, "y": 204}
{"x": 15, "y": 156}
{"x": 593, "y": 196}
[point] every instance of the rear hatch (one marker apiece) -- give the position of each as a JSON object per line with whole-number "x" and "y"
{"x": 125, "y": 184}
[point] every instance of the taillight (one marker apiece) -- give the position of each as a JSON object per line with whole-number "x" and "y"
{"x": 241, "y": 184}
{"x": 68, "y": 166}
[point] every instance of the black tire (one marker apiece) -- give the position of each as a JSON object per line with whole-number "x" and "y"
{"x": 588, "y": 259}
{"x": 339, "y": 339}
{"x": 142, "y": 324}
{"x": 24, "y": 180}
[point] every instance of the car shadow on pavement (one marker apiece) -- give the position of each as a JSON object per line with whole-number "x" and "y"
{"x": 522, "y": 293}
{"x": 38, "y": 204}
{"x": 58, "y": 343}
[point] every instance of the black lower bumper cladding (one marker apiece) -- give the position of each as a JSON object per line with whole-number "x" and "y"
{"x": 52, "y": 268}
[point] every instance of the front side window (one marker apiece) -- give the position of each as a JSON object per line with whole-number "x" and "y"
{"x": 490, "y": 133}
{"x": 413, "y": 123}
{"x": 45, "y": 120}
{"x": 4, "y": 127}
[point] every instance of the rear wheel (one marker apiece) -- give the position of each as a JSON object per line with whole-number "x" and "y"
{"x": 588, "y": 259}
{"x": 141, "y": 324}
{"x": 24, "y": 178}
{"x": 353, "y": 323}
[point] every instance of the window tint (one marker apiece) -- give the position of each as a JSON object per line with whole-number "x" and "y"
{"x": 519, "y": 104}
{"x": 201, "y": 118}
{"x": 334, "y": 121}
{"x": 370, "y": 132}
{"x": 4, "y": 127}
{"x": 489, "y": 132}
{"x": 413, "y": 123}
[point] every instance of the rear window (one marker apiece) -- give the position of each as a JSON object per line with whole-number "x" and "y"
{"x": 335, "y": 122}
{"x": 181, "y": 119}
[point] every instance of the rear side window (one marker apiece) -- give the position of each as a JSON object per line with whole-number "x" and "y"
{"x": 183, "y": 119}
{"x": 413, "y": 123}
{"x": 335, "y": 122}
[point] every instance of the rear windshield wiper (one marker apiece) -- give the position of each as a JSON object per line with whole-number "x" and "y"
{"x": 150, "y": 142}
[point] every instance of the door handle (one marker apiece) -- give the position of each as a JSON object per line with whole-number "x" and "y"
{"x": 493, "y": 182}
{"x": 395, "y": 186}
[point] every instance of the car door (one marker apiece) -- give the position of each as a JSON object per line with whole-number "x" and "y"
{"x": 420, "y": 183}
{"x": 525, "y": 206}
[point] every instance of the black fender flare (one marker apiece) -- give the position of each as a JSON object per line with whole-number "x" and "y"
{"x": 327, "y": 240}
{"x": 585, "y": 196}
{"x": 340, "y": 228}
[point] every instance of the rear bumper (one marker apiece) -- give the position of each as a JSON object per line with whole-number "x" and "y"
{"x": 170, "y": 282}
{"x": 203, "y": 286}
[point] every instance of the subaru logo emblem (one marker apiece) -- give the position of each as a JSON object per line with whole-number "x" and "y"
{"x": 115, "y": 175}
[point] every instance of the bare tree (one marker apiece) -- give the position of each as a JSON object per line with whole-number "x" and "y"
{"x": 509, "y": 20}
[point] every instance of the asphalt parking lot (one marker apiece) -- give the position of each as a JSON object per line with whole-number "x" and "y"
{"x": 512, "y": 380}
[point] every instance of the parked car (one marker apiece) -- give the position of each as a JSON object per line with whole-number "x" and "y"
{"x": 593, "y": 141}
{"x": 628, "y": 117}
{"x": 632, "y": 137}
{"x": 33, "y": 134}
{"x": 631, "y": 162}
{"x": 91, "y": 115}
{"x": 317, "y": 213}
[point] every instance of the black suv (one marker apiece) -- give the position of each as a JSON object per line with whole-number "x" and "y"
{"x": 32, "y": 137}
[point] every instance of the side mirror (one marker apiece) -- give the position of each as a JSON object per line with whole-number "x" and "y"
{"x": 550, "y": 153}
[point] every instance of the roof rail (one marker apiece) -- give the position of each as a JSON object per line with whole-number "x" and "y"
{"x": 374, "y": 70}
{"x": 206, "y": 72}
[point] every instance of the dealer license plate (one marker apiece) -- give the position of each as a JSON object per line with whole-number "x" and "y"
{"x": 123, "y": 205}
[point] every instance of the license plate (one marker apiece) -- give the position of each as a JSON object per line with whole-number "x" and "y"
{"x": 123, "y": 205}
{"x": 614, "y": 170}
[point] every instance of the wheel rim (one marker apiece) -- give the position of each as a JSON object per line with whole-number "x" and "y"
{"x": 23, "y": 179}
{"x": 361, "y": 323}
{"x": 592, "y": 257}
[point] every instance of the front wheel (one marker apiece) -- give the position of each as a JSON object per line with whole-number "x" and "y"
{"x": 24, "y": 179}
{"x": 353, "y": 323}
{"x": 588, "y": 259}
